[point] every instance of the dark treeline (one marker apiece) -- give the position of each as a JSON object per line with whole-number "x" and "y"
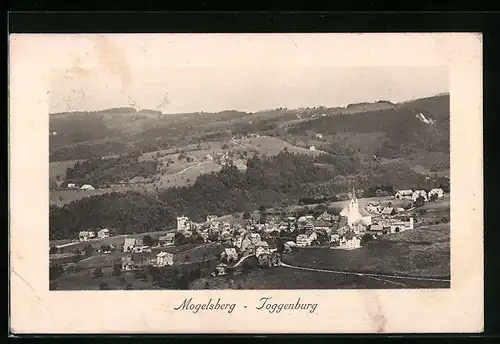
{"x": 100, "y": 172}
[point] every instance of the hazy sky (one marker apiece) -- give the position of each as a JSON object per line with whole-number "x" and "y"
{"x": 105, "y": 73}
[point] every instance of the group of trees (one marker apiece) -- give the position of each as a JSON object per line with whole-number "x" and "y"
{"x": 101, "y": 171}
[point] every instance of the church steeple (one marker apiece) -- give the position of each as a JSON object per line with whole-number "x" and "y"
{"x": 353, "y": 194}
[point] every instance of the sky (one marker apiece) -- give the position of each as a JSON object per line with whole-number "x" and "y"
{"x": 95, "y": 73}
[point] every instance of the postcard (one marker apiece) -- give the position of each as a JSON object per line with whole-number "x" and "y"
{"x": 246, "y": 183}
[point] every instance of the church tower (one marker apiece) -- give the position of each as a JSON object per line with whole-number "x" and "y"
{"x": 353, "y": 209}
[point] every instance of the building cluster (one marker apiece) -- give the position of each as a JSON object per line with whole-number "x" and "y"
{"x": 91, "y": 235}
{"x": 414, "y": 195}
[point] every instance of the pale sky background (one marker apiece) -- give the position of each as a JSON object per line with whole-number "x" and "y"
{"x": 153, "y": 73}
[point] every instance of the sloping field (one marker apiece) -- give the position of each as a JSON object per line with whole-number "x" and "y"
{"x": 58, "y": 168}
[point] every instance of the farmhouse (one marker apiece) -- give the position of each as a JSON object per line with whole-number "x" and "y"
{"x": 164, "y": 259}
{"x": 404, "y": 194}
{"x": 322, "y": 225}
{"x": 312, "y": 148}
{"x": 419, "y": 193}
{"x": 71, "y": 185}
{"x": 319, "y": 136}
{"x": 87, "y": 187}
{"x": 103, "y": 233}
{"x": 374, "y": 207}
{"x": 438, "y": 192}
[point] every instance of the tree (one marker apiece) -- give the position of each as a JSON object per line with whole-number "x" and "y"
{"x": 246, "y": 215}
{"x": 419, "y": 201}
{"x": 433, "y": 197}
{"x": 53, "y": 250}
{"x": 366, "y": 238}
{"x": 88, "y": 250}
{"x": 147, "y": 240}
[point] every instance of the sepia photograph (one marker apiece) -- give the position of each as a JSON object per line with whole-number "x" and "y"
{"x": 248, "y": 177}
{"x": 225, "y": 175}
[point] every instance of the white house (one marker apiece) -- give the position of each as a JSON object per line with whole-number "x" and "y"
{"x": 439, "y": 192}
{"x": 312, "y": 148}
{"x": 86, "y": 235}
{"x": 127, "y": 263}
{"x": 211, "y": 218}
{"x": 261, "y": 250}
{"x": 129, "y": 244}
{"x": 334, "y": 238}
{"x": 374, "y": 207}
{"x": 71, "y": 185}
{"x": 103, "y": 233}
{"x": 404, "y": 194}
{"x": 302, "y": 240}
{"x": 183, "y": 223}
{"x": 255, "y": 238}
{"x": 319, "y": 136}
{"x": 230, "y": 254}
{"x": 419, "y": 193}
{"x": 87, "y": 187}
{"x": 164, "y": 259}
{"x": 350, "y": 241}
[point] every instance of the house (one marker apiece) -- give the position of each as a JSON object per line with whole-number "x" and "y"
{"x": 263, "y": 244}
{"x": 103, "y": 233}
{"x": 211, "y": 218}
{"x": 261, "y": 250}
{"x": 334, "y": 237}
{"x": 350, "y": 241}
{"x": 129, "y": 244}
{"x": 377, "y": 228}
{"x": 312, "y": 148}
{"x": 230, "y": 254}
{"x": 164, "y": 259}
{"x": 71, "y": 185}
{"x": 401, "y": 226}
{"x": 374, "y": 207}
{"x": 87, "y": 187}
{"x": 183, "y": 223}
{"x": 221, "y": 269}
{"x": 302, "y": 240}
{"x": 419, "y": 193}
{"x": 255, "y": 238}
{"x": 167, "y": 239}
{"x": 439, "y": 192}
{"x": 312, "y": 236}
{"x": 86, "y": 235}
{"x": 127, "y": 263}
{"x": 404, "y": 194}
{"x": 400, "y": 210}
{"x": 325, "y": 217}
{"x": 319, "y": 136}
{"x": 388, "y": 211}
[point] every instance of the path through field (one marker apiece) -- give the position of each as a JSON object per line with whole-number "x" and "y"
{"x": 378, "y": 277}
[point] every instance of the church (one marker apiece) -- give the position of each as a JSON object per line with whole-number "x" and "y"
{"x": 354, "y": 214}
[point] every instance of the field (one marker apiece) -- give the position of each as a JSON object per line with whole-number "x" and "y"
{"x": 82, "y": 278}
{"x": 58, "y": 168}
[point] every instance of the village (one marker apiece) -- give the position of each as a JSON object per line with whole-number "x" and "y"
{"x": 266, "y": 237}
